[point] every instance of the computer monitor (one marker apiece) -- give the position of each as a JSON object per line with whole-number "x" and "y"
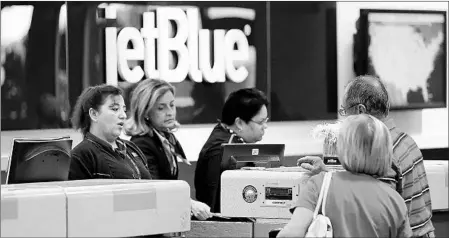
{"x": 236, "y": 156}
{"x": 39, "y": 160}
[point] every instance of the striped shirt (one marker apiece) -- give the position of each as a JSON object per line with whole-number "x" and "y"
{"x": 414, "y": 187}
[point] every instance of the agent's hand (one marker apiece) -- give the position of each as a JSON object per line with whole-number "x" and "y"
{"x": 312, "y": 163}
{"x": 200, "y": 210}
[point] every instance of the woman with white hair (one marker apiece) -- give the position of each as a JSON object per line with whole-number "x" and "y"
{"x": 357, "y": 204}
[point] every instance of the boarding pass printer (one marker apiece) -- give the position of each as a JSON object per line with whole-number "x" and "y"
{"x": 263, "y": 190}
{"x": 263, "y": 193}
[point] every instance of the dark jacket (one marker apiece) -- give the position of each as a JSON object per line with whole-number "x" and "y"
{"x": 93, "y": 158}
{"x": 208, "y": 168}
{"x": 156, "y": 158}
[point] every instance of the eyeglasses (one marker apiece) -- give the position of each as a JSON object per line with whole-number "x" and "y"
{"x": 263, "y": 121}
{"x": 342, "y": 111}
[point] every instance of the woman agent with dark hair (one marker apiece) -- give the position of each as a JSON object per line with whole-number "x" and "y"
{"x": 100, "y": 113}
{"x": 244, "y": 120}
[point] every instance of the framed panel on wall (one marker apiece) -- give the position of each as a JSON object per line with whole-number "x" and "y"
{"x": 407, "y": 50}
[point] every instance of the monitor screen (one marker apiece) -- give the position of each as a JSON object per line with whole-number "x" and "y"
{"x": 39, "y": 160}
{"x": 407, "y": 51}
{"x": 236, "y": 156}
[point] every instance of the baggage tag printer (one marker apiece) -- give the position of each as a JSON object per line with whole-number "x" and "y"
{"x": 257, "y": 186}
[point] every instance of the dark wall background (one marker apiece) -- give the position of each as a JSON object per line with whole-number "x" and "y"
{"x": 303, "y": 60}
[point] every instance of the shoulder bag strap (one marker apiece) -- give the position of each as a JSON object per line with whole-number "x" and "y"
{"x": 328, "y": 183}
{"x": 320, "y": 197}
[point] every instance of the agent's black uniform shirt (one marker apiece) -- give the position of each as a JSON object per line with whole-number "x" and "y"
{"x": 155, "y": 156}
{"x": 93, "y": 158}
{"x": 208, "y": 168}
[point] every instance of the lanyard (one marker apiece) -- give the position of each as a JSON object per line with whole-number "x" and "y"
{"x": 169, "y": 150}
{"x": 136, "y": 169}
{"x": 230, "y": 139}
{"x": 139, "y": 176}
{"x": 233, "y": 134}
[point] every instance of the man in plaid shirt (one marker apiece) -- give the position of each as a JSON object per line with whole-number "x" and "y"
{"x": 367, "y": 94}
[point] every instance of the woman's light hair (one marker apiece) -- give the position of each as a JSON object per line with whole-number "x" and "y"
{"x": 143, "y": 99}
{"x": 365, "y": 146}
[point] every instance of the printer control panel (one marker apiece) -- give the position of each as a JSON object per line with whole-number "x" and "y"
{"x": 278, "y": 196}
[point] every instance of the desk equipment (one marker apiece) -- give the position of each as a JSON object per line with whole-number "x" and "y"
{"x": 39, "y": 160}
{"x": 256, "y": 186}
{"x": 437, "y": 177}
{"x": 126, "y": 208}
{"x": 33, "y": 211}
{"x": 96, "y": 208}
{"x": 260, "y": 192}
{"x": 236, "y": 156}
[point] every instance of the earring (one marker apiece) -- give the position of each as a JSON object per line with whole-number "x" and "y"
{"x": 239, "y": 129}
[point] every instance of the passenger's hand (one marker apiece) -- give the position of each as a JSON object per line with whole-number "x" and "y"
{"x": 200, "y": 210}
{"x": 312, "y": 163}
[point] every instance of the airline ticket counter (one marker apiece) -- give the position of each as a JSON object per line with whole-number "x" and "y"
{"x": 95, "y": 208}
{"x": 263, "y": 197}
{"x": 253, "y": 202}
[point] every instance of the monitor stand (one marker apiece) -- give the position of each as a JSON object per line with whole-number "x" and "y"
{"x": 257, "y": 161}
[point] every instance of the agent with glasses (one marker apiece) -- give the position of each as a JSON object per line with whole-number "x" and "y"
{"x": 368, "y": 95}
{"x": 244, "y": 120}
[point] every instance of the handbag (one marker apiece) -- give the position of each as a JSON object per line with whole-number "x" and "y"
{"x": 321, "y": 224}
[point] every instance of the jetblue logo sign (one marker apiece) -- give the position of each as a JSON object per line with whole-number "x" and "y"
{"x": 191, "y": 45}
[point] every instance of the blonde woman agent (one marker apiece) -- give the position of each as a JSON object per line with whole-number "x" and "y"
{"x": 152, "y": 119}
{"x": 358, "y": 204}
